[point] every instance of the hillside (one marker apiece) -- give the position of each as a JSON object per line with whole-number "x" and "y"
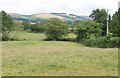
{"x": 45, "y": 16}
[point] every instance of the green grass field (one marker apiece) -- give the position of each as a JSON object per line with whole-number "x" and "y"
{"x": 35, "y": 57}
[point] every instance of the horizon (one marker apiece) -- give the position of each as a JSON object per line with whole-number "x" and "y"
{"x": 77, "y": 7}
{"x": 48, "y": 13}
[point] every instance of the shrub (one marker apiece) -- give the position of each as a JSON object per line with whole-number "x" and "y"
{"x": 38, "y": 27}
{"x": 26, "y": 26}
{"x": 114, "y": 42}
{"x": 5, "y": 38}
{"x": 95, "y": 42}
{"x": 7, "y": 25}
{"x": 81, "y": 34}
{"x": 87, "y": 28}
{"x": 102, "y": 42}
{"x": 56, "y": 29}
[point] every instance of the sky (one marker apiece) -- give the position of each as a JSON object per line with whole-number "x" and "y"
{"x": 78, "y": 7}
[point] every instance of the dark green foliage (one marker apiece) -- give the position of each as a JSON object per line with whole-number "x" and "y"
{"x": 7, "y": 25}
{"x": 114, "y": 42}
{"x": 56, "y": 29}
{"x": 93, "y": 34}
{"x": 0, "y": 22}
{"x": 26, "y": 26}
{"x": 109, "y": 21}
{"x": 38, "y": 27}
{"x": 102, "y": 42}
{"x": 17, "y": 26}
{"x": 95, "y": 42}
{"x": 81, "y": 34}
{"x": 87, "y": 28}
{"x": 118, "y": 23}
{"x": 100, "y": 15}
{"x": 89, "y": 34}
{"x": 115, "y": 24}
{"x": 7, "y": 22}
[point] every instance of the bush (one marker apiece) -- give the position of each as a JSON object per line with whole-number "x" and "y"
{"x": 26, "y": 26}
{"x": 7, "y": 25}
{"x": 102, "y": 42}
{"x": 38, "y": 27}
{"x": 114, "y": 42}
{"x": 81, "y": 34}
{"x": 9, "y": 38}
{"x": 56, "y": 29}
{"x": 87, "y": 28}
{"x": 95, "y": 42}
{"x": 89, "y": 42}
{"x": 5, "y": 38}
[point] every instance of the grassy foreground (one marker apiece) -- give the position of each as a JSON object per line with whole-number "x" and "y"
{"x": 36, "y": 58}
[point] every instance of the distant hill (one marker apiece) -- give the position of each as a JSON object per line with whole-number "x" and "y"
{"x": 45, "y": 16}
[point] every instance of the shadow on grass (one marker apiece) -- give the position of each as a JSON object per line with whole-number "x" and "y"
{"x": 64, "y": 39}
{"x": 93, "y": 44}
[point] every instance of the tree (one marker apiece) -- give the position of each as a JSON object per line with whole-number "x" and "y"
{"x": 0, "y": 23}
{"x": 38, "y": 27}
{"x": 118, "y": 23}
{"x": 109, "y": 21}
{"x": 100, "y": 15}
{"x": 86, "y": 29}
{"x": 17, "y": 26}
{"x": 56, "y": 29}
{"x": 26, "y": 26}
{"x": 7, "y": 25}
{"x": 115, "y": 24}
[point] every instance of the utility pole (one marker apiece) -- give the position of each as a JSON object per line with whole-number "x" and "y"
{"x": 74, "y": 19}
{"x": 107, "y": 19}
{"x": 118, "y": 4}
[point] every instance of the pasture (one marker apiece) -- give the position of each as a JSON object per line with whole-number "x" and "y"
{"x": 35, "y": 57}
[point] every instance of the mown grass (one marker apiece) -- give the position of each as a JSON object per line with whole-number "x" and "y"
{"x": 58, "y": 58}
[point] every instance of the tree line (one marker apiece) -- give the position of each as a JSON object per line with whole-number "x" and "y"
{"x": 91, "y": 33}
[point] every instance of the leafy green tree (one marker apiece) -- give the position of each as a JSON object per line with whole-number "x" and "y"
{"x": 115, "y": 24}
{"x": 0, "y": 24}
{"x": 35, "y": 27}
{"x": 118, "y": 23}
{"x": 17, "y": 26}
{"x": 38, "y": 27}
{"x": 26, "y": 26}
{"x": 86, "y": 29}
{"x": 7, "y": 25}
{"x": 56, "y": 29}
{"x": 100, "y": 15}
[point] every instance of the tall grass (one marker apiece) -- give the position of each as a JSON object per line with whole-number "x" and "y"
{"x": 35, "y": 57}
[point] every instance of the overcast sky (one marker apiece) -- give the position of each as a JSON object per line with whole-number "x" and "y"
{"x": 79, "y": 7}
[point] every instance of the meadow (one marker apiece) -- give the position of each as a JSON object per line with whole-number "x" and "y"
{"x": 32, "y": 56}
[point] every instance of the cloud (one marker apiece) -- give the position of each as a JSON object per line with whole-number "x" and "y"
{"x": 79, "y": 7}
